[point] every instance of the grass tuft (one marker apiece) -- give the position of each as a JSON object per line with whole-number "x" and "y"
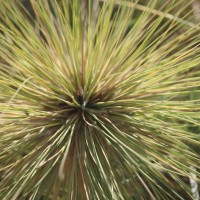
{"x": 99, "y": 99}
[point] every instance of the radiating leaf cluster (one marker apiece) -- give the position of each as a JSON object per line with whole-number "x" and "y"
{"x": 95, "y": 99}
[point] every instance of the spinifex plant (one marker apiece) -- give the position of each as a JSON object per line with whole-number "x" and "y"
{"x": 96, "y": 99}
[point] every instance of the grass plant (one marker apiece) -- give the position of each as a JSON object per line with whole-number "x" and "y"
{"x": 95, "y": 99}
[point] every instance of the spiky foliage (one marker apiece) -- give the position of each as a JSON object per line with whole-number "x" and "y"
{"x": 96, "y": 99}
